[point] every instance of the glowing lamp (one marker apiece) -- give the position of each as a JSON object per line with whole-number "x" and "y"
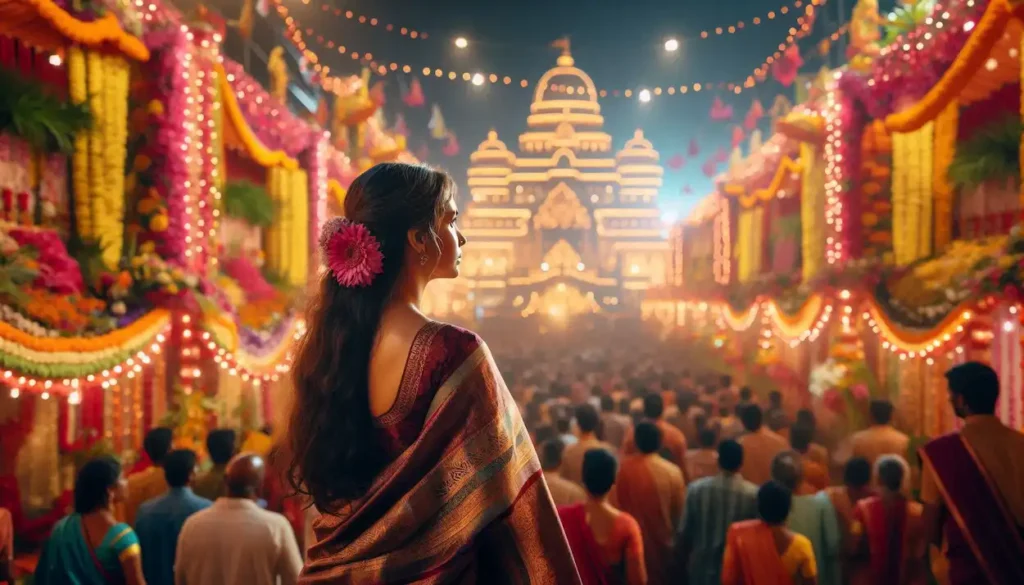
{"x": 671, "y": 45}
{"x": 644, "y": 95}
{"x": 461, "y": 42}
{"x": 478, "y": 79}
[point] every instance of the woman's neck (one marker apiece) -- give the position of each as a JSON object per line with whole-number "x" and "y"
{"x": 103, "y": 513}
{"x": 408, "y": 290}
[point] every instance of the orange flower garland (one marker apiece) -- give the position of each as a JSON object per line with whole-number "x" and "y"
{"x": 971, "y": 58}
{"x": 46, "y": 25}
{"x": 115, "y": 338}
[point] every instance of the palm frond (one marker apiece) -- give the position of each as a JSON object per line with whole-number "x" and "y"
{"x": 993, "y": 154}
{"x": 37, "y": 116}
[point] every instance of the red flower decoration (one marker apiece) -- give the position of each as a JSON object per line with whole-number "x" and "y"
{"x": 351, "y": 252}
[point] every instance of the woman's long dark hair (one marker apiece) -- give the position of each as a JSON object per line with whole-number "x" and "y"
{"x": 93, "y": 483}
{"x": 333, "y": 457}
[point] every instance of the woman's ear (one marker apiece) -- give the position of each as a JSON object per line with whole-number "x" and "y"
{"x": 417, "y": 240}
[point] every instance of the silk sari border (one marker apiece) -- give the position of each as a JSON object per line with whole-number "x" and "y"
{"x": 957, "y": 514}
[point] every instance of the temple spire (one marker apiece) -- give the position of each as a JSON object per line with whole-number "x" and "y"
{"x": 565, "y": 59}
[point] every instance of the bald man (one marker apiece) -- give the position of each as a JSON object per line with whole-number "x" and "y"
{"x": 236, "y": 541}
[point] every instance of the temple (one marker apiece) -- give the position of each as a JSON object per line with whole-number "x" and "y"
{"x": 565, "y": 226}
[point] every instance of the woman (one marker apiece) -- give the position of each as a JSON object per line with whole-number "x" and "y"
{"x": 403, "y": 433}
{"x": 856, "y": 487}
{"x": 765, "y": 552}
{"x": 889, "y": 529}
{"x": 606, "y": 542}
{"x": 90, "y": 547}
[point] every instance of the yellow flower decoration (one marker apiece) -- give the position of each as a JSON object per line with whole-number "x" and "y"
{"x": 155, "y": 107}
{"x": 158, "y": 223}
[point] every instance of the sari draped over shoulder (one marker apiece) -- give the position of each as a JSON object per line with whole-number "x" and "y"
{"x": 464, "y": 501}
{"x": 587, "y": 551}
{"x": 983, "y": 542}
{"x": 751, "y": 557}
{"x": 68, "y": 558}
{"x": 895, "y": 540}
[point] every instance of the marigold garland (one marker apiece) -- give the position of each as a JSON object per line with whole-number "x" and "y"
{"x": 94, "y": 82}
{"x": 793, "y": 326}
{"x": 971, "y": 58}
{"x": 945, "y": 149}
{"x": 263, "y": 156}
{"x": 118, "y": 337}
{"x": 79, "y": 93}
{"x": 786, "y": 167}
{"x": 912, "y": 194}
{"x": 45, "y": 24}
{"x": 812, "y": 209}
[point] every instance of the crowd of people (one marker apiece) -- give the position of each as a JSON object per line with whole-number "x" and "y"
{"x": 405, "y": 435}
{"x": 659, "y": 478}
{"x": 664, "y": 478}
{"x": 170, "y": 525}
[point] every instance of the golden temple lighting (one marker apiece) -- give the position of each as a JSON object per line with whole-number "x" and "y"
{"x": 564, "y": 225}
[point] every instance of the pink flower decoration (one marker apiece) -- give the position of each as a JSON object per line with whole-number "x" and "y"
{"x": 860, "y": 391}
{"x": 351, "y": 252}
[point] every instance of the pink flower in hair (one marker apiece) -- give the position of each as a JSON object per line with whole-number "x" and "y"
{"x": 351, "y": 252}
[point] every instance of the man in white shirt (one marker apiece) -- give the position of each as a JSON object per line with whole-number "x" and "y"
{"x": 234, "y": 541}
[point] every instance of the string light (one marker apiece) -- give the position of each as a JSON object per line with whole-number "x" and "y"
{"x": 461, "y": 42}
{"x": 294, "y": 34}
{"x": 834, "y": 183}
{"x": 371, "y": 21}
{"x": 731, "y": 28}
{"x": 71, "y": 387}
{"x": 235, "y": 366}
{"x": 758, "y": 75}
{"x": 802, "y": 29}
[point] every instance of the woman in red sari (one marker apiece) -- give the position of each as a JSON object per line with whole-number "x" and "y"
{"x": 764, "y": 551}
{"x": 403, "y": 433}
{"x": 890, "y": 529}
{"x": 606, "y": 542}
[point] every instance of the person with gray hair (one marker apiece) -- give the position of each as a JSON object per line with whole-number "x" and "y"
{"x": 889, "y": 530}
{"x": 812, "y": 516}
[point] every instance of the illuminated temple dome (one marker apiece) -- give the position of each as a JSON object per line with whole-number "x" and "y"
{"x": 564, "y": 225}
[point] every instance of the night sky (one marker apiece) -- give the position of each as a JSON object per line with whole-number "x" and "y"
{"x": 619, "y": 44}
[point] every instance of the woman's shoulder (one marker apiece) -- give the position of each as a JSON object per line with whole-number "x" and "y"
{"x": 121, "y": 535}
{"x": 456, "y": 336}
{"x": 801, "y": 545}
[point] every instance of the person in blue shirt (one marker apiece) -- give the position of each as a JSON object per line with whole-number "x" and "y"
{"x": 159, "y": 520}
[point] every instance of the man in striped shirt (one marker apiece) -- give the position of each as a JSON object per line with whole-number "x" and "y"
{"x": 712, "y": 505}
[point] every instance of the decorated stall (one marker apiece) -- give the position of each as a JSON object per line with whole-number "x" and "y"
{"x": 905, "y": 168}
{"x": 159, "y": 215}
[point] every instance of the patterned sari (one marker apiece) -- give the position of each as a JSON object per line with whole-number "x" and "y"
{"x": 983, "y": 542}
{"x": 69, "y": 558}
{"x": 464, "y": 499}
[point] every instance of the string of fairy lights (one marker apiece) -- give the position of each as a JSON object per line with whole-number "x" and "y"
{"x": 733, "y": 27}
{"x": 298, "y": 37}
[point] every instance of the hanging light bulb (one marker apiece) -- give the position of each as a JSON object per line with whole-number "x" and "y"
{"x": 644, "y": 95}
{"x": 461, "y": 42}
{"x": 671, "y": 45}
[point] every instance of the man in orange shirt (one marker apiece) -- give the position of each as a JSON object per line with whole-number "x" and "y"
{"x": 815, "y": 474}
{"x": 652, "y": 490}
{"x": 587, "y": 421}
{"x": 150, "y": 483}
{"x": 673, "y": 443}
{"x": 881, "y": 438}
{"x": 563, "y": 491}
{"x": 760, "y": 446}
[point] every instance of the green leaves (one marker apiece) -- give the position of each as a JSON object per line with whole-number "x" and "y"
{"x": 37, "y": 116}
{"x": 993, "y": 154}
{"x": 249, "y": 202}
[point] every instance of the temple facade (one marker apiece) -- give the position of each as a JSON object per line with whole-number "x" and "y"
{"x": 564, "y": 225}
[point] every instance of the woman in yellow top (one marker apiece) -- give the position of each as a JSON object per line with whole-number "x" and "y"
{"x": 765, "y": 552}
